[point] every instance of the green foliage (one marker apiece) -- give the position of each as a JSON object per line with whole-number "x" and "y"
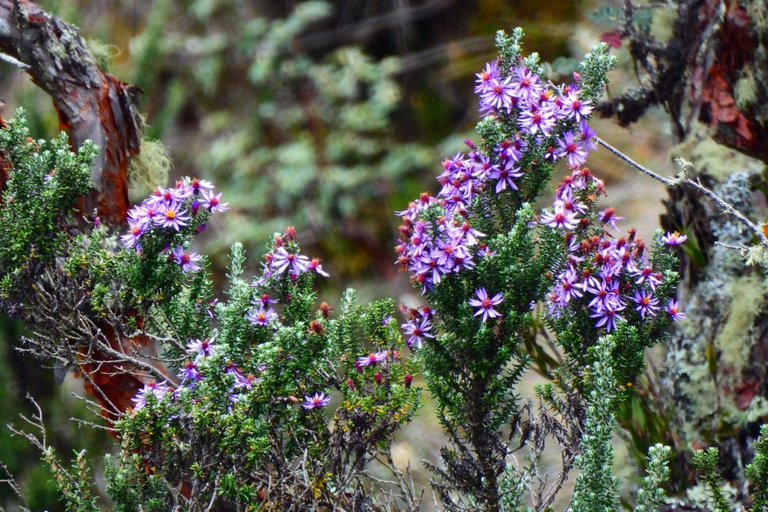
{"x": 757, "y": 472}
{"x": 596, "y": 488}
{"x": 705, "y": 462}
{"x": 41, "y": 194}
{"x": 652, "y": 494}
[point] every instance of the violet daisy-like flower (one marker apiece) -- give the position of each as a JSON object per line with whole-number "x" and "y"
{"x": 559, "y": 218}
{"x": 606, "y": 296}
{"x": 157, "y": 389}
{"x": 131, "y": 239}
{"x": 536, "y": 120}
{"x": 568, "y": 287}
{"x": 673, "y": 308}
{"x": 571, "y": 149}
{"x": 506, "y": 176}
{"x": 170, "y": 216}
{"x": 261, "y": 316}
{"x": 318, "y": 400}
{"x": 486, "y": 77}
{"x": 528, "y": 85}
{"x": 373, "y": 358}
{"x": 499, "y": 94}
{"x": 587, "y": 135}
{"x": 283, "y": 260}
{"x": 197, "y": 185}
{"x": 418, "y": 331}
{"x": 314, "y": 266}
{"x": 576, "y": 108}
{"x": 213, "y": 202}
{"x": 647, "y": 304}
{"x": 190, "y": 372}
{"x": 607, "y": 318}
{"x": 648, "y": 275}
{"x": 187, "y": 260}
{"x": 674, "y": 238}
{"x": 202, "y": 348}
{"x": 485, "y": 304}
{"x": 609, "y": 217}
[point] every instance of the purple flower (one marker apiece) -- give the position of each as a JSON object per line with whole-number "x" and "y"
{"x": 417, "y": 331}
{"x": 567, "y": 287}
{"x": 319, "y": 400}
{"x": 505, "y": 176}
{"x": 261, "y": 316}
{"x": 486, "y": 304}
{"x": 587, "y": 135}
{"x": 647, "y": 274}
{"x": 157, "y": 389}
{"x": 213, "y": 202}
{"x": 190, "y": 372}
{"x": 576, "y": 108}
{"x": 187, "y": 260}
{"x": 170, "y": 216}
{"x": 131, "y": 239}
{"x": 486, "y": 77}
{"x": 197, "y": 185}
{"x": 609, "y": 217}
{"x": 498, "y": 95}
{"x": 203, "y": 348}
{"x": 673, "y": 308}
{"x": 647, "y": 304}
{"x": 606, "y": 296}
{"x": 166, "y": 196}
{"x": 572, "y": 150}
{"x": 283, "y": 260}
{"x": 372, "y": 358}
{"x": 674, "y": 238}
{"x": 315, "y": 266}
{"x": 607, "y": 318}
{"x": 528, "y": 85}
{"x": 560, "y": 219}
{"x": 536, "y": 120}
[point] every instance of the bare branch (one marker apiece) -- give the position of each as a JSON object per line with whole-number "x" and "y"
{"x": 691, "y": 183}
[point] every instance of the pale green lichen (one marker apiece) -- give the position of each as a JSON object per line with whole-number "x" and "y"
{"x": 149, "y": 168}
{"x": 748, "y": 296}
{"x": 746, "y": 91}
{"x": 707, "y": 156}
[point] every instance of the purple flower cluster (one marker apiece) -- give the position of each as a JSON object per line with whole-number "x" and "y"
{"x": 605, "y": 274}
{"x": 548, "y": 117}
{"x": 539, "y": 109}
{"x": 173, "y": 209}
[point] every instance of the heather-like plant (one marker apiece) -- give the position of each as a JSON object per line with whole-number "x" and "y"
{"x": 483, "y": 259}
{"x": 263, "y": 400}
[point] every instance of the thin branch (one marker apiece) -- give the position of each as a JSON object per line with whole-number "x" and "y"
{"x": 14, "y": 62}
{"x": 695, "y": 184}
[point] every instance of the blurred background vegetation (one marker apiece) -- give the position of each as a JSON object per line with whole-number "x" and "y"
{"x": 324, "y": 115}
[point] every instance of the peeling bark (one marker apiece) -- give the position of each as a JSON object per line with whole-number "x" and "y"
{"x": 91, "y": 104}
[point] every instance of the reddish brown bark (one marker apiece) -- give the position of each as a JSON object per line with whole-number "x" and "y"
{"x": 733, "y": 49}
{"x": 91, "y": 104}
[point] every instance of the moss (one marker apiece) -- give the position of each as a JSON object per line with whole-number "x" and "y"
{"x": 149, "y": 168}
